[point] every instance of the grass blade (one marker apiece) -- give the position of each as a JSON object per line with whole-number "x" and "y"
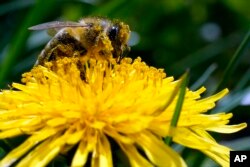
{"x": 178, "y": 107}
{"x": 234, "y": 61}
{"x": 204, "y": 77}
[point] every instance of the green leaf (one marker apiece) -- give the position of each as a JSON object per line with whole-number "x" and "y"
{"x": 19, "y": 39}
{"x": 13, "y": 6}
{"x": 2, "y": 153}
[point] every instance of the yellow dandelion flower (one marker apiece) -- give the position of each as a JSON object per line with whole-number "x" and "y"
{"x": 64, "y": 105}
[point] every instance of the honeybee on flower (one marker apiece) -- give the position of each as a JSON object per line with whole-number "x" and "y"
{"x": 91, "y": 36}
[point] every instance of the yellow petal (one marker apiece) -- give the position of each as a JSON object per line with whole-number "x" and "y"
{"x": 102, "y": 156}
{"x": 135, "y": 158}
{"x": 212, "y": 99}
{"x": 11, "y": 133}
{"x": 81, "y": 155}
{"x": 187, "y": 138}
{"x": 223, "y": 160}
{"x": 228, "y": 128}
{"x": 87, "y": 145}
{"x": 158, "y": 152}
{"x": 19, "y": 123}
{"x": 32, "y": 159}
{"x": 40, "y": 156}
{"x": 110, "y": 131}
{"x": 56, "y": 121}
{"x": 15, "y": 154}
{"x": 200, "y": 139}
{"x": 75, "y": 137}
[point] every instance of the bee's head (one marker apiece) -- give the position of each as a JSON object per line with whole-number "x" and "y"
{"x": 118, "y": 34}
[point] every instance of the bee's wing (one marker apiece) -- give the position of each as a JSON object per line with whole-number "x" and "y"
{"x": 57, "y": 25}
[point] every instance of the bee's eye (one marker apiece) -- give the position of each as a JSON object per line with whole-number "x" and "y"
{"x": 113, "y": 32}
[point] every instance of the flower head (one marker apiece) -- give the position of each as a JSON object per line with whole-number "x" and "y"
{"x": 87, "y": 103}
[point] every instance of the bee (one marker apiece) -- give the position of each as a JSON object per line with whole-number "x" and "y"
{"x": 91, "y": 37}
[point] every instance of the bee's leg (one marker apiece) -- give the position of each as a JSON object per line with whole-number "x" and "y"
{"x": 82, "y": 68}
{"x": 123, "y": 53}
{"x": 61, "y": 51}
{"x": 104, "y": 47}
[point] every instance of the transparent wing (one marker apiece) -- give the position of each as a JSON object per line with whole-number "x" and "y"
{"x": 58, "y": 25}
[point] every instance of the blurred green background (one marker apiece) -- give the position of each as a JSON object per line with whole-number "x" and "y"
{"x": 176, "y": 35}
